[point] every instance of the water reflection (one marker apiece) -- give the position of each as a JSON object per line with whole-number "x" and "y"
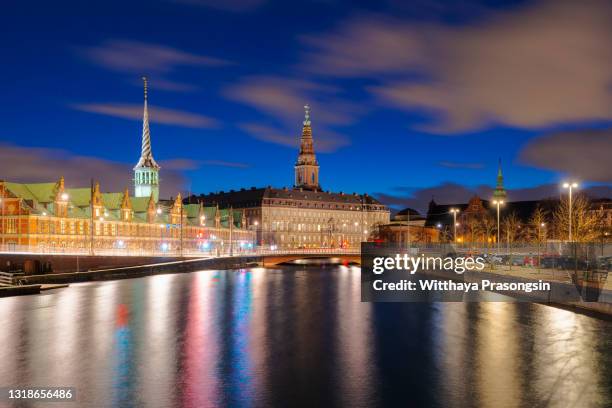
{"x": 122, "y": 361}
{"x": 296, "y": 336}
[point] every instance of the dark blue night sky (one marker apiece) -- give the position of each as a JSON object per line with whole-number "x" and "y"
{"x": 409, "y": 99}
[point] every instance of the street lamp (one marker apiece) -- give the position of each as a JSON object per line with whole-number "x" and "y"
{"x": 498, "y": 203}
{"x": 2, "y": 216}
{"x": 258, "y": 240}
{"x": 570, "y": 186}
{"x": 454, "y": 211}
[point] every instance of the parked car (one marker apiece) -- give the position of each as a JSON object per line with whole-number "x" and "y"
{"x": 517, "y": 260}
{"x": 549, "y": 262}
{"x": 493, "y": 259}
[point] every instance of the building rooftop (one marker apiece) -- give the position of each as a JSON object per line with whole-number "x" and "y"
{"x": 254, "y": 197}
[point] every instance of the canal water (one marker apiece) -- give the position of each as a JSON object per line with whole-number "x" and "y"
{"x": 297, "y": 336}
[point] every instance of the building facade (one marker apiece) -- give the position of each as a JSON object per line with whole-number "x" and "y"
{"x": 304, "y": 216}
{"x": 51, "y": 217}
{"x": 408, "y": 227}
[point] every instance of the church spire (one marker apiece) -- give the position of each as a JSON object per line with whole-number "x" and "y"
{"x": 500, "y": 191}
{"x": 146, "y": 155}
{"x": 146, "y": 171}
{"x": 306, "y": 115}
{"x": 307, "y": 167}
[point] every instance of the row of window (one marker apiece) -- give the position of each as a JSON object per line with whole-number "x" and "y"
{"x": 82, "y": 227}
{"x": 325, "y": 205}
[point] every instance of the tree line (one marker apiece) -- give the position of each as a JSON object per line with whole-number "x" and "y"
{"x": 547, "y": 222}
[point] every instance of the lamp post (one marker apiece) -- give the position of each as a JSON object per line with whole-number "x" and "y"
{"x": 497, "y": 204}
{"x": 161, "y": 238}
{"x": 182, "y": 252}
{"x": 540, "y": 239}
{"x": 2, "y": 216}
{"x": 570, "y": 186}
{"x": 256, "y": 224}
{"x": 64, "y": 198}
{"x": 159, "y": 211}
{"x": 454, "y": 211}
{"x": 92, "y": 220}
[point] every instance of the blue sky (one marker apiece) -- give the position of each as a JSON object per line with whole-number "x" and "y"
{"x": 408, "y": 100}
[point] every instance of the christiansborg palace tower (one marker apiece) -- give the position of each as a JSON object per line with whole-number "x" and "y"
{"x": 307, "y": 167}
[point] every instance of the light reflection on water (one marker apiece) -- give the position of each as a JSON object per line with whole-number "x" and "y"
{"x": 296, "y": 337}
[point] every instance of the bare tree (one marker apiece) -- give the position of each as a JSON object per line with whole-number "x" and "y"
{"x": 472, "y": 229}
{"x": 444, "y": 235}
{"x": 511, "y": 227}
{"x": 537, "y": 226}
{"x": 537, "y": 230}
{"x": 584, "y": 221}
{"x": 488, "y": 227}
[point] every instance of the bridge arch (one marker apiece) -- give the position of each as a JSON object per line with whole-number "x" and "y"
{"x": 273, "y": 259}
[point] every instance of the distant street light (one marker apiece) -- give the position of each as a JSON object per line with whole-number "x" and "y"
{"x": 498, "y": 203}
{"x": 570, "y": 186}
{"x": 454, "y": 211}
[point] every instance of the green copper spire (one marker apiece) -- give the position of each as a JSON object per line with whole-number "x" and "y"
{"x": 500, "y": 191}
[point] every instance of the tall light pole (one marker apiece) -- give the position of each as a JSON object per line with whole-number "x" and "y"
{"x": 182, "y": 252}
{"x": 454, "y": 211}
{"x": 497, "y": 204}
{"x": 159, "y": 211}
{"x": 2, "y": 216}
{"x": 256, "y": 224}
{"x": 570, "y": 186}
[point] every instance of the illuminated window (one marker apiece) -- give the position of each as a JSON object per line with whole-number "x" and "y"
{"x": 11, "y": 226}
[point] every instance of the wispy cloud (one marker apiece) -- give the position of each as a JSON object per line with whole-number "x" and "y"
{"x": 156, "y": 114}
{"x": 180, "y": 164}
{"x": 159, "y": 83}
{"x": 532, "y": 66}
{"x": 583, "y": 154}
{"x": 330, "y": 142}
{"x": 460, "y": 165}
{"x": 227, "y": 5}
{"x": 222, "y": 163}
{"x": 40, "y": 164}
{"x": 190, "y": 164}
{"x": 141, "y": 57}
{"x": 283, "y": 99}
{"x": 155, "y": 60}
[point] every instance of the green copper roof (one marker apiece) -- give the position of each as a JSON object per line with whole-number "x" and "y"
{"x": 40, "y": 199}
{"x": 500, "y": 191}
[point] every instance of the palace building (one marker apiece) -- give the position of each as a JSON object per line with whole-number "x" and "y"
{"x": 303, "y": 216}
{"x": 52, "y": 217}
